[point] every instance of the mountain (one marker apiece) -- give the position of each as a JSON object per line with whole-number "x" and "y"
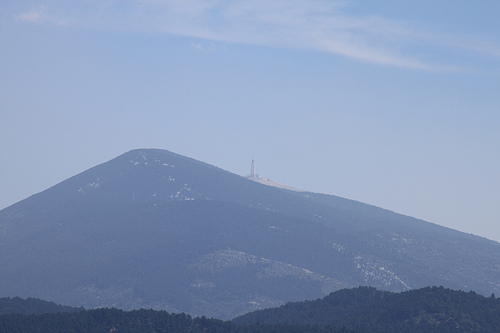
{"x": 154, "y": 229}
{"x": 367, "y": 309}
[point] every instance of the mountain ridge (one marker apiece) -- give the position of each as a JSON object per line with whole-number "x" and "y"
{"x": 142, "y": 230}
{"x": 429, "y": 309}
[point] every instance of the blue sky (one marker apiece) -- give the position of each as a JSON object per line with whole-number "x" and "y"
{"x": 395, "y": 104}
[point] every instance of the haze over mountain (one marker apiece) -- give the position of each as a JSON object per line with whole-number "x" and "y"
{"x": 154, "y": 229}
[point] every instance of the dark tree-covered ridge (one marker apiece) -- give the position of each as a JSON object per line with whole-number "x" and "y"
{"x": 140, "y": 321}
{"x": 431, "y": 309}
{"x": 362, "y": 309}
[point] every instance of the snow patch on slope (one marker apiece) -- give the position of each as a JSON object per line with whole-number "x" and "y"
{"x": 371, "y": 271}
{"x": 143, "y": 159}
{"x": 92, "y": 185}
{"x": 231, "y": 259}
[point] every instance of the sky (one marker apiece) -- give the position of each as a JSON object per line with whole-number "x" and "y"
{"x": 393, "y": 103}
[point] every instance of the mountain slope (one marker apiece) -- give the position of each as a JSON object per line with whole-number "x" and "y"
{"x": 151, "y": 228}
{"x": 32, "y": 306}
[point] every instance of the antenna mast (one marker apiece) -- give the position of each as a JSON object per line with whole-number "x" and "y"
{"x": 252, "y": 169}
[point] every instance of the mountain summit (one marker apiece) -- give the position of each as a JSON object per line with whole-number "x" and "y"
{"x": 155, "y": 229}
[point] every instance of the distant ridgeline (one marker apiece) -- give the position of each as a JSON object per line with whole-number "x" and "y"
{"x": 362, "y": 309}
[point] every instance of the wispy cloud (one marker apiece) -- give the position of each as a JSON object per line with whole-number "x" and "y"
{"x": 305, "y": 24}
{"x": 204, "y": 48}
{"x": 31, "y": 16}
{"x": 39, "y": 15}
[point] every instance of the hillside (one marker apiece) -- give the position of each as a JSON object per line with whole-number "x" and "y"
{"x": 154, "y": 229}
{"x": 32, "y": 306}
{"x": 363, "y": 308}
{"x": 141, "y": 321}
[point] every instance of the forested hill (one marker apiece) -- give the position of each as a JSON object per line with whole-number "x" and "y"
{"x": 362, "y": 309}
{"x": 139, "y": 321}
{"x": 32, "y": 306}
{"x": 428, "y": 309}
